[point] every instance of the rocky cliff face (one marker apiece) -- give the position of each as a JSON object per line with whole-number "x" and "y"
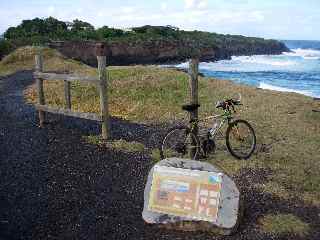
{"x": 159, "y": 51}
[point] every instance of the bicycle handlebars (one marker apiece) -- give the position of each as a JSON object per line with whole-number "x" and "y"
{"x": 227, "y": 103}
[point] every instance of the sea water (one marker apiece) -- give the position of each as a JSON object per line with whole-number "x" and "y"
{"x": 296, "y": 71}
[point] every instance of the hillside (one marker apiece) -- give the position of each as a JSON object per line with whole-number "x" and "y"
{"x": 138, "y": 45}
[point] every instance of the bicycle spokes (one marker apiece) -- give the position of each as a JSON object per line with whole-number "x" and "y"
{"x": 241, "y": 139}
{"x": 181, "y": 143}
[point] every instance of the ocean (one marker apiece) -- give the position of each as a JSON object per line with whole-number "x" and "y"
{"x": 297, "y": 71}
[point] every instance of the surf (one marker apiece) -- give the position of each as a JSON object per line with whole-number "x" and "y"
{"x": 267, "y": 86}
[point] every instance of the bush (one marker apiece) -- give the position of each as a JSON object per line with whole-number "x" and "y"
{"x": 5, "y": 48}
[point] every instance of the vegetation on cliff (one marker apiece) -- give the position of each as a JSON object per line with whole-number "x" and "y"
{"x": 41, "y": 31}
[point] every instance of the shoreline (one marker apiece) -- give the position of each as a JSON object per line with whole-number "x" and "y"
{"x": 294, "y": 72}
{"x": 241, "y": 84}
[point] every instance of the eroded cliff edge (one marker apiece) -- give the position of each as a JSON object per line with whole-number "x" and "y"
{"x": 163, "y": 51}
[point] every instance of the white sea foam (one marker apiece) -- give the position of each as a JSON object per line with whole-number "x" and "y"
{"x": 263, "y": 60}
{"x": 282, "y": 89}
{"x": 182, "y": 65}
{"x": 308, "y": 54}
{"x": 285, "y": 61}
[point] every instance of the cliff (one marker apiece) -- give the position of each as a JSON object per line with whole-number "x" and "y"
{"x": 161, "y": 51}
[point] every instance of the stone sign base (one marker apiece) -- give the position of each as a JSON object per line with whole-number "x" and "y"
{"x": 189, "y": 195}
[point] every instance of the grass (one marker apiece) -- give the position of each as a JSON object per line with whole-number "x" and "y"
{"x": 23, "y": 59}
{"x": 155, "y": 155}
{"x": 127, "y": 146}
{"x": 121, "y": 144}
{"x": 288, "y": 132}
{"x": 93, "y": 139}
{"x": 284, "y": 224}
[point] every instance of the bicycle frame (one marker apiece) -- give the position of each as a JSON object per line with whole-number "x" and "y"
{"x": 226, "y": 117}
{"x": 198, "y": 139}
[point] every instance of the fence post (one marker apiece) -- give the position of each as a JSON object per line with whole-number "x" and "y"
{"x": 39, "y": 82}
{"x": 67, "y": 94}
{"x": 103, "y": 77}
{"x": 194, "y": 100}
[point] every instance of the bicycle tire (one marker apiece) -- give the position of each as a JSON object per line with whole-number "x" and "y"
{"x": 180, "y": 147}
{"x": 230, "y": 146}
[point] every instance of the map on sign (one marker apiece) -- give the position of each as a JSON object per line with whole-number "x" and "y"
{"x": 186, "y": 193}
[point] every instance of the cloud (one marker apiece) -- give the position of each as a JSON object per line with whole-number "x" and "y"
{"x": 51, "y": 10}
{"x": 164, "y": 6}
{"x": 189, "y": 3}
{"x": 128, "y": 10}
{"x": 237, "y": 17}
{"x": 202, "y": 4}
{"x": 199, "y": 4}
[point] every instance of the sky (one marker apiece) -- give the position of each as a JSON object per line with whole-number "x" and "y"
{"x": 277, "y": 19}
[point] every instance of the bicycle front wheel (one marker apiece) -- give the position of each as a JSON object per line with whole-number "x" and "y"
{"x": 180, "y": 142}
{"x": 240, "y": 139}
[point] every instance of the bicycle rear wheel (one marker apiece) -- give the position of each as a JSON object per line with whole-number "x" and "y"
{"x": 240, "y": 139}
{"x": 180, "y": 142}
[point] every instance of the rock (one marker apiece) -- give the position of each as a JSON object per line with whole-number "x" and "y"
{"x": 174, "y": 183}
{"x": 167, "y": 51}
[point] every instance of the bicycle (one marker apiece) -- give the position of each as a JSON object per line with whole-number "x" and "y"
{"x": 184, "y": 142}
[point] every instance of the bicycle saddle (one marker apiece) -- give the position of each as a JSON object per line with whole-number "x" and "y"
{"x": 221, "y": 104}
{"x": 190, "y": 107}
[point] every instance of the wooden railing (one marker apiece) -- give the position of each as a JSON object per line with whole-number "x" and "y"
{"x": 100, "y": 81}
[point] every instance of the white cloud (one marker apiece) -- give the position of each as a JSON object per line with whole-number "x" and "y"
{"x": 79, "y": 10}
{"x": 128, "y": 10}
{"x": 189, "y": 3}
{"x": 164, "y": 6}
{"x": 202, "y": 4}
{"x": 51, "y": 10}
{"x": 192, "y": 4}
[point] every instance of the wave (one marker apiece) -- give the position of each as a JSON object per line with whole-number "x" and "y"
{"x": 292, "y": 61}
{"x": 283, "y": 89}
{"x": 308, "y": 54}
{"x": 263, "y": 60}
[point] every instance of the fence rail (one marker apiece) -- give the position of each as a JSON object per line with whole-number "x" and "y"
{"x": 67, "y": 112}
{"x": 101, "y": 81}
{"x": 66, "y": 77}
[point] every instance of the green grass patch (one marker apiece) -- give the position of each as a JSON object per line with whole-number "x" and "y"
{"x": 123, "y": 145}
{"x": 93, "y": 139}
{"x": 155, "y": 155}
{"x": 284, "y": 224}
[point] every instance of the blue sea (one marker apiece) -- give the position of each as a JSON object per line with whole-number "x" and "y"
{"x": 297, "y": 71}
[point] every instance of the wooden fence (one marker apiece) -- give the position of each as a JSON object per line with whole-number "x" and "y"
{"x": 101, "y": 81}
{"x": 194, "y": 98}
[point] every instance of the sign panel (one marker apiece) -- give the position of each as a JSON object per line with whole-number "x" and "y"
{"x": 186, "y": 193}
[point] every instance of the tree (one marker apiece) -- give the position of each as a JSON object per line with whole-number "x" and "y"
{"x": 5, "y": 48}
{"x": 79, "y": 25}
{"x": 106, "y": 32}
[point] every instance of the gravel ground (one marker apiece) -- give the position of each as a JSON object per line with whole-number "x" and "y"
{"x": 54, "y": 185}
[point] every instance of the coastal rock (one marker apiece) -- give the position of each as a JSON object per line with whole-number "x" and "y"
{"x": 162, "y": 51}
{"x": 228, "y": 206}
